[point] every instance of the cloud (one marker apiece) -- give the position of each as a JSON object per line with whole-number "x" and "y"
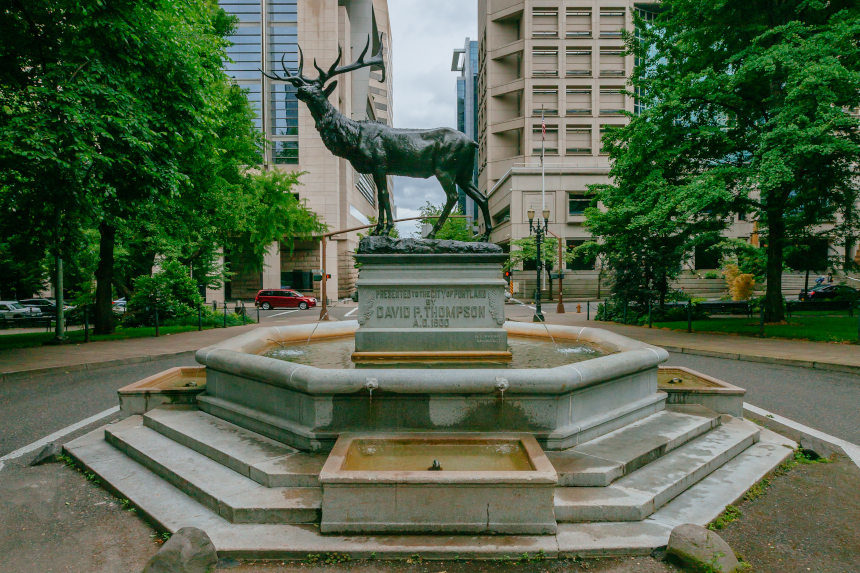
{"x": 425, "y": 34}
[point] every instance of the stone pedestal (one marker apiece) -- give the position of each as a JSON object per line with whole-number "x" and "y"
{"x": 430, "y": 299}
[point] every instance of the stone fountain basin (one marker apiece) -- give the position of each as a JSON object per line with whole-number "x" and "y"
{"x": 687, "y": 386}
{"x": 488, "y": 483}
{"x": 178, "y": 385}
{"x": 309, "y": 407}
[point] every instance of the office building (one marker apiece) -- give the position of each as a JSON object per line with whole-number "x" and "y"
{"x": 266, "y": 31}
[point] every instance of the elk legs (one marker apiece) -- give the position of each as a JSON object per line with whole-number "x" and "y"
{"x": 451, "y": 194}
{"x": 482, "y": 202}
{"x": 385, "y": 222}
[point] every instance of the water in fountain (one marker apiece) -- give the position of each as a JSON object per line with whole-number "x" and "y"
{"x": 527, "y": 353}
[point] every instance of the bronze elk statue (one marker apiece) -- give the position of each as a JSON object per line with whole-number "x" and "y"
{"x": 379, "y": 150}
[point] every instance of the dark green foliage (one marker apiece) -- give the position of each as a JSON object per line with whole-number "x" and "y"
{"x": 120, "y": 131}
{"x": 746, "y": 110}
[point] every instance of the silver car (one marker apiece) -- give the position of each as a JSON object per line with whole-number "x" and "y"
{"x": 14, "y": 309}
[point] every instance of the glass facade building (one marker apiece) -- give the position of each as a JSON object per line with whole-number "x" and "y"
{"x": 267, "y": 34}
{"x": 466, "y": 62}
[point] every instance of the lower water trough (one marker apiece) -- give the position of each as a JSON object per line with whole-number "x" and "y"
{"x": 431, "y": 483}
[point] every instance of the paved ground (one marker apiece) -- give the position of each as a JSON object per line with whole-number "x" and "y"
{"x": 54, "y": 520}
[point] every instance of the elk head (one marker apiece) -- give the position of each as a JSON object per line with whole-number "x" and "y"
{"x": 312, "y": 89}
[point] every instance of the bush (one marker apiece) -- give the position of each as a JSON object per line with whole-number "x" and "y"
{"x": 742, "y": 287}
{"x": 613, "y": 311}
{"x": 171, "y": 289}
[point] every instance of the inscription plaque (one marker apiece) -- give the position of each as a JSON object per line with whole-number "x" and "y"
{"x": 443, "y": 303}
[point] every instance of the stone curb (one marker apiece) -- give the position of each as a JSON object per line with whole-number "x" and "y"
{"x": 18, "y": 374}
{"x": 800, "y": 432}
{"x": 828, "y": 366}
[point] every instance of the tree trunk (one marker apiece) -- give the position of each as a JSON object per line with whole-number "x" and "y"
{"x": 773, "y": 305}
{"x": 103, "y": 320}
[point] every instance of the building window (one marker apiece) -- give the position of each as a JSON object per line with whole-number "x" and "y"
{"x": 578, "y": 140}
{"x": 367, "y": 187}
{"x": 611, "y": 22}
{"x": 578, "y": 101}
{"x": 502, "y": 216}
{"x": 550, "y": 144}
{"x": 578, "y": 23}
{"x": 285, "y": 110}
{"x": 285, "y": 152}
{"x": 611, "y": 101}
{"x": 581, "y": 262}
{"x": 612, "y": 63}
{"x": 578, "y": 62}
{"x": 545, "y": 100}
{"x": 381, "y": 106}
{"x": 545, "y": 62}
{"x": 545, "y": 23}
{"x": 577, "y": 203}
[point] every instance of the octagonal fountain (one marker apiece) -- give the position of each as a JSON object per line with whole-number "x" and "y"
{"x": 308, "y": 407}
{"x": 429, "y": 425}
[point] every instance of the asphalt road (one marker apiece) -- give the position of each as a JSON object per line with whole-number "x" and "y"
{"x": 33, "y": 408}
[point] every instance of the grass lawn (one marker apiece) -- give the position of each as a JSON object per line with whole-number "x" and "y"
{"x": 76, "y": 336}
{"x": 808, "y": 325}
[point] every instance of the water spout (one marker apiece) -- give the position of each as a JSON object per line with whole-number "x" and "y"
{"x": 502, "y": 384}
{"x": 436, "y": 467}
{"x": 371, "y": 385}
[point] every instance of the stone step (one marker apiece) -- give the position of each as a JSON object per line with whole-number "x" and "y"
{"x": 636, "y": 496}
{"x": 262, "y": 459}
{"x": 170, "y": 509}
{"x": 601, "y": 461}
{"x": 234, "y": 497}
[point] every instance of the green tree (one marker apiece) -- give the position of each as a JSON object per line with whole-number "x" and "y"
{"x": 455, "y": 228}
{"x": 747, "y": 109}
{"x": 117, "y": 116}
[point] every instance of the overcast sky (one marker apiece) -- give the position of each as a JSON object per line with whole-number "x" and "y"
{"x": 424, "y": 36}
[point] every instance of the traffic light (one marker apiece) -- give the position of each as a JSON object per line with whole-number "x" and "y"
{"x": 328, "y": 276}
{"x": 508, "y": 276}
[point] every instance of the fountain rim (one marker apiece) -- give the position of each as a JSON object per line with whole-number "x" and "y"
{"x": 239, "y": 356}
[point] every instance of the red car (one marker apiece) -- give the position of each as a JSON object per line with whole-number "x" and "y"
{"x": 283, "y": 298}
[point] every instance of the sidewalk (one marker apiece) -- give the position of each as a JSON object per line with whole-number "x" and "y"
{"x": 821, "y": 355}
{"x": 826, "y": 356}
{"x": 19, "y": 362}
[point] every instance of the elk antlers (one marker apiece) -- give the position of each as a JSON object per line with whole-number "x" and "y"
{"x": 324, "y": 76}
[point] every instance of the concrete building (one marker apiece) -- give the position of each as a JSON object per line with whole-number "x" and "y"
{"x": 343, "y": 198}
{"x": 565, "y": 59}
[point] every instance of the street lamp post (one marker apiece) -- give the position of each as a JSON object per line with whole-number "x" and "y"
{"x": 539, "y": 230}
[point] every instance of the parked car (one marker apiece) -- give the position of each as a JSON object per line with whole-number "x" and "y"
{"x": 830, "y": 292}
{"x": 283, "y": 298}
{"x": 14, "y": 309}
{"x": 119, "y": 305}
{"x": 46, "y": 305}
